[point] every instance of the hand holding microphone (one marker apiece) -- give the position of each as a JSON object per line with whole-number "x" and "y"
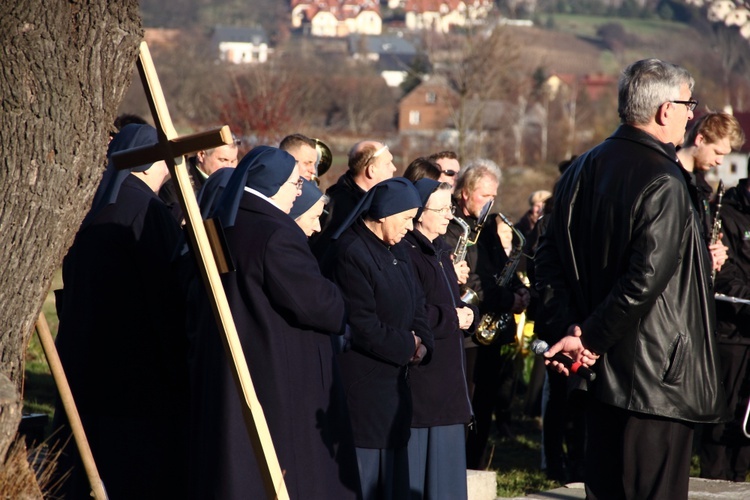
{"x": 540, "y": 347}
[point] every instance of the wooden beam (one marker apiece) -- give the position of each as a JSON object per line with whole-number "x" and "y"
{"x": 66, "y": 396}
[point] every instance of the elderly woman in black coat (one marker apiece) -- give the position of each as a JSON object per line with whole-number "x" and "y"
{"x": 388, "y": 332}
{"x": 437, "y": 461}
{"x": 285, "y": 312}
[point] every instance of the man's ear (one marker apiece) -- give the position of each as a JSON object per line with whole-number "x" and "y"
{"x": 699, "y": 139}
{"x": 664, "y": 113}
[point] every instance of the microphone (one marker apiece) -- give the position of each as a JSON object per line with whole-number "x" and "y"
{"x": 540, "y": 347}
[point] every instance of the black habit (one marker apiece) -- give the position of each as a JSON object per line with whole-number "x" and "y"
{"x": 285, "y": 312}
{"x": 386, "y": 304}
{"x": 122, "y": 343}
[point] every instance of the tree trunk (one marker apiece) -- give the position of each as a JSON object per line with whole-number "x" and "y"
{"x": 66, "y": 65}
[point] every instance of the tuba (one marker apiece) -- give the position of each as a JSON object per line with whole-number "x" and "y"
{"x": 325, "y": 158}
{"x": 491, "y": 323}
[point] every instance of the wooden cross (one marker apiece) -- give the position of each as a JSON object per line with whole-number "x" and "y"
{"x": 171, "y": 148}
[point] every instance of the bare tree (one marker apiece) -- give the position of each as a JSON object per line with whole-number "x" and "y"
{"x": 477, "y": 65}
{"x": 65, "y": 68}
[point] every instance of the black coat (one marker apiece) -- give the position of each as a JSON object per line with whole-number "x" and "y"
{"x": 342, "y": 198}
{"x": 439, "y": 388}
{"x": 285, "y": 312}
{"x": 122, "y": 344}
{"x": 385, "y": 305}
{"x": 624, "y": 257}
{"x": 734, "y": 277}
{"x": 168, "y": 192}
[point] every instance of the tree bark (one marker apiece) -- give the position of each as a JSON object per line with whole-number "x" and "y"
{"x": 65, "y": 68}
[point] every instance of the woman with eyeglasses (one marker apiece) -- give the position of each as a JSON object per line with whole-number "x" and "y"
{"x": 441, "y": 405}
{"x": 286, "y": 313}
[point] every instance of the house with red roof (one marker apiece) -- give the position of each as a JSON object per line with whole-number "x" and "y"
{"x": 440, "y": 15}
{"x": 337, "y": 18}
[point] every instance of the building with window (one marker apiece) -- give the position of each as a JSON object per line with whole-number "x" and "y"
{"x": 337, "y": 18}
{"x": 238, "y": 45}
{"x": 428, "y": 107}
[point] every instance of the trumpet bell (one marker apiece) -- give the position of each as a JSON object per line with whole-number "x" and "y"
{"x": 325, "y": 158}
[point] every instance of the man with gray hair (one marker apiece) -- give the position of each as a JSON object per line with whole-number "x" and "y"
{"x": 625, "y": 282}
{"x": 489, "y": 369}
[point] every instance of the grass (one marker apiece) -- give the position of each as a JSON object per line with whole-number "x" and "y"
{"x": 39, "y": 387}
{"x": 643, "y": 28}
{"x": 516, "y": 460}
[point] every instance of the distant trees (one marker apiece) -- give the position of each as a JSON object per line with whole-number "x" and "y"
{"x": 478, "y": 65}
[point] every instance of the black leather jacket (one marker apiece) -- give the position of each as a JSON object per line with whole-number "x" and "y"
{"x": 624, "y": 257}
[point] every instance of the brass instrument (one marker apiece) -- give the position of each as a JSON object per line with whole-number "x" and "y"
{"x": 325, "y": 158}
{"x": 492, "y": 323}
{"x": 469, "y": 296}
{"x": 716, "y": 226}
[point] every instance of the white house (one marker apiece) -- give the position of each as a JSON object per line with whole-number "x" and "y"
{"x": 241, "y": 45}
{"x": 440, "y": 15}
{"x": 337, "y": 18}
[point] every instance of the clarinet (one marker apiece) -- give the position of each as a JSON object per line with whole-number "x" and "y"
{"x": 716, "y": 226}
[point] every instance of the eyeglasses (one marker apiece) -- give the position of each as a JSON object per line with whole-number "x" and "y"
{"x": 300, "y": 182}
{"x": 449, "y": 173}
{"x": 442, "y": 211}
{"x": 377, "y": 153}
{"x": 691, "y": 104}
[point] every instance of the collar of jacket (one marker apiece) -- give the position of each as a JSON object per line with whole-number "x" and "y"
{"x": 634, "y": 134}
{"x": 346, "y": 183}
{"x": 419, "y": 240}
{"x": 381, "y": 253}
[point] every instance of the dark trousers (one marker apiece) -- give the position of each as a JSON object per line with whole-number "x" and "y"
{"x": 636, "y": 456}
{"x": 564, "y": 423}
{"x": 725, "y": 450}
{"x": 492, "y": 391}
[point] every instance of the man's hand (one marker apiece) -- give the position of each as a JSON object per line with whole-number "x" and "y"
{"x": 465, "y": 317}
{"x": 572, "y": 347}
{"x": 718, "y": 253}
{"x": 462, "y": 271}
{"x": 419, "y": 351}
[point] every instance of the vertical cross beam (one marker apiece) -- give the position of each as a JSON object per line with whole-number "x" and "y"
{"x": 171, "y": 148}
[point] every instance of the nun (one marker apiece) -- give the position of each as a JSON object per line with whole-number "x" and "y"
{"x": 121, "y": 338}
{"x": 285, "y": 312}
{"x": 388, "y": 331}
{"x": 308, "y": 207}
{"x": 437, "y": 457}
